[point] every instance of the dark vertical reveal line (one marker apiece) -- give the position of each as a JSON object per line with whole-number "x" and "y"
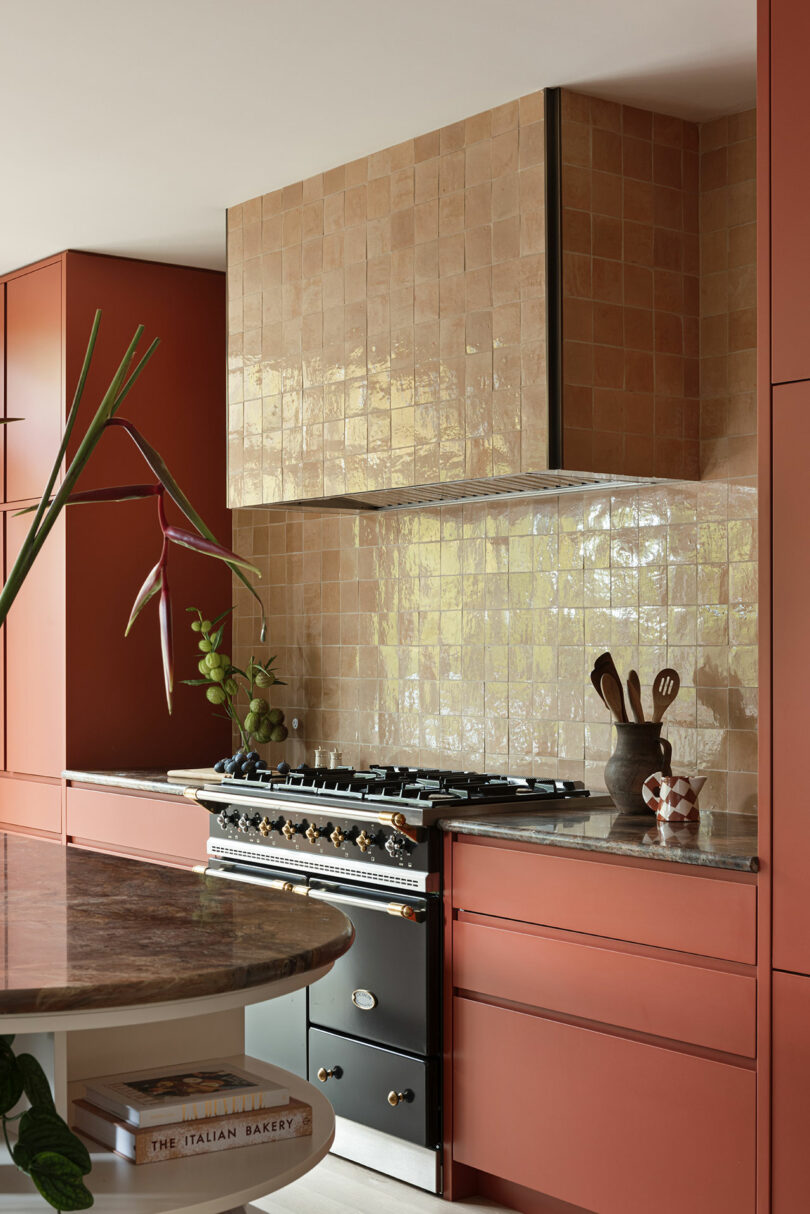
{"x": 551, "y": 99}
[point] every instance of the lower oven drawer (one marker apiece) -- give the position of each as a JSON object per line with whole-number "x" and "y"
{"x": 385, "y": 988}
{"x": 359, "y": 1079}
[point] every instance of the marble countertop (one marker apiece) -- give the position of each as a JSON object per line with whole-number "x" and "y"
{"x": 80, "y": 930}
{"x": 140, "y": 781}
{"x": 719, "y": 840}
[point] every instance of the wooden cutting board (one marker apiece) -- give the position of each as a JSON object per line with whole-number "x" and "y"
{"x": 195, "y": 775}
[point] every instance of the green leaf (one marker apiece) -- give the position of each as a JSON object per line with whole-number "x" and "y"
{"x": 35, "y": 1083}
{"x": 60, "y": 1182}
{"x": 161, "y": 471}
{"x": 11, "y": 1080}
{"x": 46, "y": 1131}
{"x": 222, "y": 615}
{"x": 196, "y": 682}
{"x": 7, "y": 1038}
{"x": 217, "y": 637}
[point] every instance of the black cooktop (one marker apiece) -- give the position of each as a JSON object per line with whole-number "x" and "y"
{"x": 417, "y": 787}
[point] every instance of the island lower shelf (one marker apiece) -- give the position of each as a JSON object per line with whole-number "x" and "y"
{"x": 200, "y": 1184}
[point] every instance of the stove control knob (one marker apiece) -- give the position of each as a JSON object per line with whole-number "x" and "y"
{"x": 225, "y": 819}
{"x": 337, "y": 836}
{"x": 246, "y": 823}
{"x": 288, "y": 830}
{"x": 312, "y": 833}
{"x": 396, "y": 847}
{"x": 364, "y": 841}
{"x": 265, "y": 827}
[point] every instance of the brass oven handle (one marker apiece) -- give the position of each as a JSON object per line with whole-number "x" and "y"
{"x": 400, "y": 909}
{"x": 334, "y": 1072}
{"x": 395, "y": 1098}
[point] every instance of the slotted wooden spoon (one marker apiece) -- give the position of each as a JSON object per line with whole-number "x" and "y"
{"x": 665, "y": 688}
{"x": 634, "y": 696}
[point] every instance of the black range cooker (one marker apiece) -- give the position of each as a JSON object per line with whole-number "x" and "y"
{"x": 365, "y": 841}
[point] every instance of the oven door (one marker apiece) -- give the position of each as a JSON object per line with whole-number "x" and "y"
{"x": 385, "y": 988}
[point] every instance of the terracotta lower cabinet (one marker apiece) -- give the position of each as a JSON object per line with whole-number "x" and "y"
{"x": 791, "y": 1093}
{"x": 165, "y": 828}
{"x": 613, "y": 1075}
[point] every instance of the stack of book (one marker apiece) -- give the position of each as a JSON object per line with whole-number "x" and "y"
{"x": 171, "y": 1112}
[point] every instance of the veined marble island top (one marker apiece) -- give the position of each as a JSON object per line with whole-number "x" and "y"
{"x": 718, "y": 840}
{"x": 80, "y": 931}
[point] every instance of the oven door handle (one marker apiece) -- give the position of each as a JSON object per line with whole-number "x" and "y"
{"x": 399, "y": 909}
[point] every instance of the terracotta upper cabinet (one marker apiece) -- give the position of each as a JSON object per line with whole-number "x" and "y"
{"x": 790, "y": 177}
{"x": 33, "y": 379}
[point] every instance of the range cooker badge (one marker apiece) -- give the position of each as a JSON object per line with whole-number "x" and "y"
{"x": 364, "y": 1000}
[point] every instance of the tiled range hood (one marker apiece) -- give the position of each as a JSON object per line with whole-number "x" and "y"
{"x": 448, "y": 319}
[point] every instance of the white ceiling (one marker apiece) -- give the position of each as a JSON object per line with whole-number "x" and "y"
{"x": 130, "y": 127}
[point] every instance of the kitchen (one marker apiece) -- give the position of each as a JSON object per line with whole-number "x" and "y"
{"x": 492, "y": 412}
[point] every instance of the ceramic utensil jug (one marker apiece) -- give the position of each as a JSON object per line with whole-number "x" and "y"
{"x": 640, "y": 751}
{"x": 673, "y": 798}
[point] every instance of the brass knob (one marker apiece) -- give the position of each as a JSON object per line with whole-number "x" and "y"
{"x": 337, "y": 836}
{"x": 395, "y": 1098}
{"x": 364, "y": 841}
{"x": 288, "y": 830}
{"x": 312, "y": 832}
{"x": 334, "y": 1072}
{"x": 265, "y": 826}
{"x": 402, "y": 910}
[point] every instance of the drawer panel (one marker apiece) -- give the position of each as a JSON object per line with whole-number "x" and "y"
{"x": 708, "y": 916}
{"x": 691, "y": 1003}
{"x": 611, "y": 1125}
{"x": 29, "y": 803}
{"x": 367, "y": 1074}
{"x": 107, "y": 818}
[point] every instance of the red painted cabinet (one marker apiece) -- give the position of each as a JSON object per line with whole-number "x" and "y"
{"x": 34, "y": 375}
{"x": 614, "y": 1074}
{"x": 611, "y": 1125}
{"x": 791, "y": 669}
{"x": 791, "y": 1093}
{"x": 77, "y": 693}
{"x": 790, "y": 181}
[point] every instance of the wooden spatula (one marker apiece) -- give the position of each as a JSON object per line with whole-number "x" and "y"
{"x": 612, "y": 695}
{"x": 665, "y": 688}
{"x": 634, "y": 696}
{"x": 604, "y": 664}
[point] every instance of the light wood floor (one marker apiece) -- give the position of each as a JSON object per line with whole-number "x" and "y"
{"x": 339, "y": 1187}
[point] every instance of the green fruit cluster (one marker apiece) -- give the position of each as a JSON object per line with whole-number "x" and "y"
{"x": 223, "y": 682}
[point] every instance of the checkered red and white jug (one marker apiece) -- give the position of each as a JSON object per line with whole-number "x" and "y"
{"x": 673, "y": 798}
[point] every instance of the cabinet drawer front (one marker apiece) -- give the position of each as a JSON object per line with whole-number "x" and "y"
{"x": 708, "y": 916}
{"x": 29, "y": 803}
{"x": 690, "y": 1003}
{"x": 611, "y": 1125}
{"x": 137, "y": 824}
{"x": 367, "y": 1074}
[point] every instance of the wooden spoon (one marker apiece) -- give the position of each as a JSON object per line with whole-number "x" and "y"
{"x": 634, "y": 696}
{"x": 665, "y": 688}
{"x": 612, "y": 695}
{"x": 604, "y": 664}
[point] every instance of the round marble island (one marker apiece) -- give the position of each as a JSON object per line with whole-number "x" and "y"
{"x": 111, "y": 965}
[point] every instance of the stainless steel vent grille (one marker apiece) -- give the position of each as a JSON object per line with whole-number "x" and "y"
{"x": 482, "y": 489}
{"x": 256, "y": 853}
